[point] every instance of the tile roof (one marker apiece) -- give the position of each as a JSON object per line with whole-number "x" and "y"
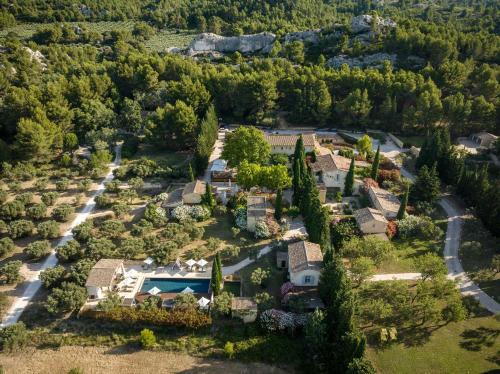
{"x": 103, "y": 273}
{"x": 330, "y": 162}
{"x": 387, "y": 200}
{"x": 257, "y": 206}
{"x": 196, "y": 186}
{"x": 243, "y": 303}
{"x": 304, "y": 255}
{"x": 368, "y": 214}
{"x": 174, "y": 198}
{"x": 290, "y": 140}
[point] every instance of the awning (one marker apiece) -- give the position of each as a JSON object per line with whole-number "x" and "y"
{"x": 148, "y": 261}
{"x": 187, "y": 290}
{"x": 203, "y": 302}
{"x": 154, "y": 291}
{"x": 202, "y": 262}
{"x": 190, "y": 262}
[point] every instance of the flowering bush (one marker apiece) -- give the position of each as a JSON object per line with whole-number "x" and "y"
{"x": 272, "y": 225}
{"x": 262, "y": 230}
{"x": 418, "y": 225}
{"x": 240, "y": 217}
{"x": 185, "y": 212}
{"x": 286, "y": 288}
{"x": 161, "y": 197}
{"x": 278, "y": 320}
{"x": 392, "y": 229}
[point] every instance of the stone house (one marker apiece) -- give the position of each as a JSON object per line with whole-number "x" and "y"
{"x": 331, "y": 170}
{"x": 384, "y": 201}
{"x": 281, "y": 143}
{"x": 258, "y": 207}
{"x": 102, "y": 277}
{"x": 305, "y": 261}
{"x": 370, "y": 221}
{"x": 189, "y": 194}
{"x": 483, "y": 139}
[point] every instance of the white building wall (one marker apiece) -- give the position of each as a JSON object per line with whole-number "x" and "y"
{"x": 298, "y": 278}
{"x": 334, "y": 179}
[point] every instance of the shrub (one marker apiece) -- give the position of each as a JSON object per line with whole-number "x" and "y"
{"x": 230, "y": 251}
{"x": 53, "y": 277}
{"x": 372, "y": 247}
{"x": 14, "y": 337}
{"x": 131, "y": 247}
{"x": 190, "y": 318}
{"x": 48, "y": 229}
{"x": 3, "y": 196}
{"x": 15, "y": 186}
{"x": 69, "y": 252}
{"x": 112, "y": 186}
{"x": 4, "y": 228}
{"x": 120, "y": 210}
{"x": 62, "y": 184}
{"x": 156, "y": 215}
{"x": 103, "y": 201}
{"x": 262, "y": 230}
{"x": 229, "y": 350}
{"x": 240, "y": 218}
{"x": 9, "y": 272}
{"x": 67, "y": 298}
{"x": 85, "y": 184}
{"x": 7, "y": 246}
{"x": 41, "y": 184}
{"x": 98, "y": 248}
{"x": 50, "y": 198}
{"x": 112, "y": 228}
{"x": 422, "y": 226}
{"x": 25, "y": 198}
{"x": 38, "y": 249}
{"x": 62, "y": 212}
{"x": 37, "y": 211}
{"x": 112, "y": 301}
{"x": 264, "y": 301}
{"x": 142, "y": 228}
{"x": 148, "y": 339}
{"x": 20, "y": 228}
{"x": 259, "y": 276}
{"x": 83, "y": 231}
{"x": 12, "y": 210}
{"x": 221, "y": 306}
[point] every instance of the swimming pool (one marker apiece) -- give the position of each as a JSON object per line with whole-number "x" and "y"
{"x": 175, "y": 285}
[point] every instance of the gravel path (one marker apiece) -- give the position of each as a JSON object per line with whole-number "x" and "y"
{"x": 451, "y": 249}
{"x": 34, "y": 284}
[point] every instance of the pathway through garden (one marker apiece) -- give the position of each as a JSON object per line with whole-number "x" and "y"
{"x": 34, "y": 284}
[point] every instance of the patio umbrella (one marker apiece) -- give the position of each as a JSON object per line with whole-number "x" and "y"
{"x": 154, "y": 291}
{"x": 148, "y": 261}
{"x": 178, "y": 263}
{"x": 126, "y": 281}
{"x": 203, "y": 302}
{"x": 202, "y": 262}
{"x": 190, "y": 262}
{"x": 187, "y": 290}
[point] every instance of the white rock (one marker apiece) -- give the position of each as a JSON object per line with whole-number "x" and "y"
{"x": 308, "y": 36}
{"x": 374, "y": 60}
{"x": 363, "y": 23}
{"x": 208, "y": 42}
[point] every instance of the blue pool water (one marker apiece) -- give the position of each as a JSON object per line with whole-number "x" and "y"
{"x": 176, "y": 285}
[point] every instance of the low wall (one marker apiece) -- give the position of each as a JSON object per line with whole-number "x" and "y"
{"x": 396, "y": 141}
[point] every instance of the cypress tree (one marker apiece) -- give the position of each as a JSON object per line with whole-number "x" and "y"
{"x": 278, "y": 209}
{"x": 208, "y": 198}
{"x": 349, "y": 180}
{"x": 190, "y": 173}
{"x": 376, "y": 162}
{"x": 215, "y": 280}
{"x": 404, "y": 203}
{"x": 299, "y": 170}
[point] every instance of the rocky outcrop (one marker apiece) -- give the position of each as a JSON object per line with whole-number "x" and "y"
{"x": 374, "y": 60}
{"x": 208, "y": 42}
{"x": 363, "y": 23}
{"x": 37, "y": 56}
{"x": 308, "y": 36}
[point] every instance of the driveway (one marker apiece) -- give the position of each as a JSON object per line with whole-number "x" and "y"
{"x": 451, "y": 249}
{"x": 34, "y": 283}
{"x": 216, "y": 152}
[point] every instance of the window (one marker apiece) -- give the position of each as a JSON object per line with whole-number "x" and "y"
{"x": 338, "y": 176}
{"x": 308, "y": 279}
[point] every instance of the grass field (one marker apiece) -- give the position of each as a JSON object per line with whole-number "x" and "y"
{"x": 471, "y": 346}
{"x": 161, "y": 40}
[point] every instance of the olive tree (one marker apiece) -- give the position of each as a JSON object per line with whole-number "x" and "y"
{"x": 20, "y": 228}
{"x": 53, "y": 277}
{"x": 66, "y": 298}
{"x": 10, "y": 272}
{"x": 69, "y": 252}
{"x": 7, "y": 246}
{"x": 50, "y": 198}
{"x": 38, "y": 249}
{"x": 37, "y": 211}
{"x": 48, "y": 229}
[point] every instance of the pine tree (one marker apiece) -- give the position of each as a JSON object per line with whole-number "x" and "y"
{"x": 278, "y": 209}
{"x": 190, "y": 173}
{"x": 404, "y": 203}
{"x": 299, "y": 170}
{"x": 427, "y": 186}
{"x": 376, "y": 162}
{"x": 349, "y": 180}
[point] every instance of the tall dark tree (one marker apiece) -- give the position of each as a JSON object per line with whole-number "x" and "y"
{"x": 376, "y": 162}
{"x": 216, "y": 278}
{"x": 190, "y": 173}
{"x": 299, "y": 171}
{"x": 404, "y": 203}
{"x": 349, "y": 180}
{"x": 427, "y": 185}
{"x": 278, "y": 208}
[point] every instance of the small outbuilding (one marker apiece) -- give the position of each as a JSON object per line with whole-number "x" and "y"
{"x": 244, "y": 308}
{"x": 384, "y": 201}
{"x": 193, "y": 192}
{"x": 483, "y": 139}
{"x": 371, "y": 221}
{"x": 102, "y": 277}
{"x": 258, "y": 207}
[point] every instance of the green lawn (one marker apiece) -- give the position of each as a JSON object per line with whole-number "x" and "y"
{"x": 154, "y": 153}
{"x": 478, "y": 263}
{"x": 471, "y": 346}
{"x": 416, "y": 141}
